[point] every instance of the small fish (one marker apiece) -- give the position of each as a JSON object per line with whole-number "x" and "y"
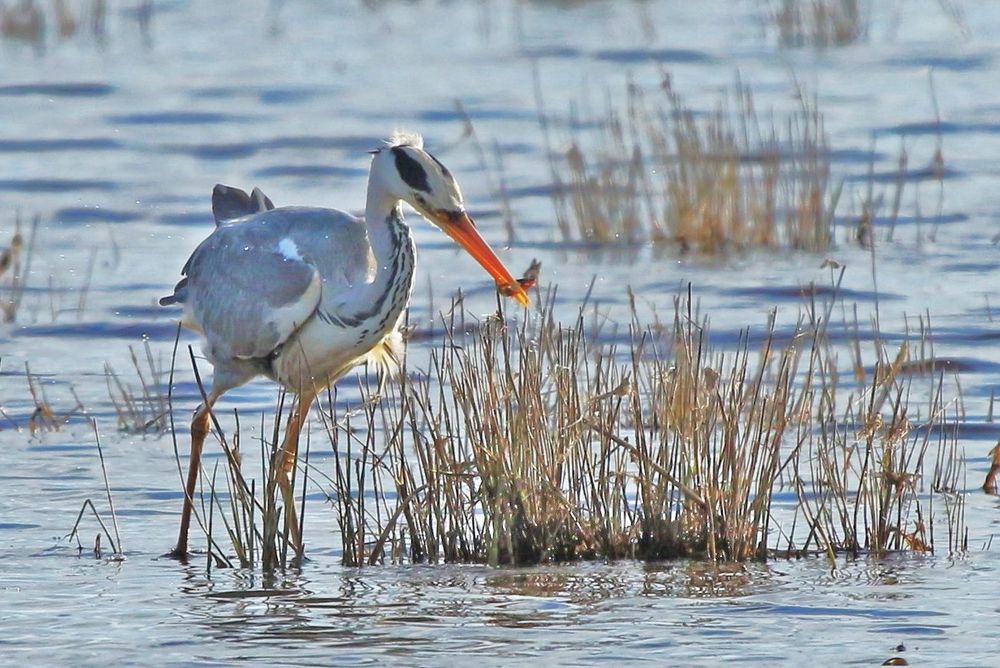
{"x": 517, "y": 288}
{"x": 530, "y": 278}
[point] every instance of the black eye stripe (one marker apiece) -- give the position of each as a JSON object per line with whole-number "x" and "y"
{"x": 410, "y": 170}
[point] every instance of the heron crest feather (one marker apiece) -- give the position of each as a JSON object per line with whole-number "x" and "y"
{"x": 405, "y": 138}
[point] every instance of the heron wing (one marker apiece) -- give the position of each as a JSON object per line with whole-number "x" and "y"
{"x": 249, "y": 298}
{"x": 253, "y": 283}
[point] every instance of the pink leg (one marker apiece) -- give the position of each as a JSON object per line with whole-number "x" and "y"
{"x": 287, "y": 458}
{"x": 200, "y": 425}
{"x": 990, "y": 485}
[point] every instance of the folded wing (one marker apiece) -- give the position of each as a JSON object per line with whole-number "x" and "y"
{"x": 249, "y": 298}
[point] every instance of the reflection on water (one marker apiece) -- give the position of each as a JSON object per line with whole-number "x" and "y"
{"x": 242, "y": 605}
{"x": 620, "y": 611}
{"x": 115, "y": 132}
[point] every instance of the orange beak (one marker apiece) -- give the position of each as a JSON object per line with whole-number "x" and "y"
{"x": 458, "y": 226}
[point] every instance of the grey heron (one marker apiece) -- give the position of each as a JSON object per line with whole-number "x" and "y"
{"x": 303, "y": 294}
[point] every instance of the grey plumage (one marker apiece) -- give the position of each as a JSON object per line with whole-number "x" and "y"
{"x": 254, "y": 281}
{"x": 179, "y": 296}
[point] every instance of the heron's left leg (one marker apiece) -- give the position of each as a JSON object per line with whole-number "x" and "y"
{"x": 286, "y": 459}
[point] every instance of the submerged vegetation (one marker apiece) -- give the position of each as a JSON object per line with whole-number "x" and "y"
{"x": 532, "y": 442}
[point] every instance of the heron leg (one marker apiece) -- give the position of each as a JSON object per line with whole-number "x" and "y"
{"x": 990, "y": 485}
{"x": 286, "y": 460}
{"x": 200, "y": 426}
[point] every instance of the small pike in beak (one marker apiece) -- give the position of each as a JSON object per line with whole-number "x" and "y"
{"x": 458, "y": 226}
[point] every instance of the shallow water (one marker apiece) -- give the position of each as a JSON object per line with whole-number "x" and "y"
{"x": 116, "y": 143}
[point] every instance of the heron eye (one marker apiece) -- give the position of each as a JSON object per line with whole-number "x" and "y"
{"x": 421, "y": 200}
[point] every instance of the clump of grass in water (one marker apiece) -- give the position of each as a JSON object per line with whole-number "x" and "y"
{"x": 531, "y": 444}
{"x": 663, "y": 174}
{"x": 837, "y": 23}
{"x": 15, "y": 268}
{"x": 144, "y": 410}
{"x": 30, "y": 22}
{"x": 820, "y": 23}
{"x": 43, "y": 417}
{"x": 866, "y": 463}
{"x": 117, "y": 550}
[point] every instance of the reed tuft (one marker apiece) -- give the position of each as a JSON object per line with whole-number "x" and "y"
{"x": 820, "y": 23}
{"x": 144, "y": 409}
{"x": 727, "y": 180}
{"x": 530, "y": 443}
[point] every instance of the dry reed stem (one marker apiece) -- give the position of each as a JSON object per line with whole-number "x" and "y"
{"x": 117, "y": 549}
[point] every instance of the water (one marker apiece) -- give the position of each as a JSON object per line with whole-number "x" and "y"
{"x": 116, "y": 142}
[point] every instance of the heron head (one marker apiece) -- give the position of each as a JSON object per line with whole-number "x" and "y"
{"x": 412, "y": 174}
{"x": 416, "y": 176}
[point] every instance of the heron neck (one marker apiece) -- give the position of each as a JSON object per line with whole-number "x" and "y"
{"x": 391, "y": 244}
{"x": 384, "y": 220}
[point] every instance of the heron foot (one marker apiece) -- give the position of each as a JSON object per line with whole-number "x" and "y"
{"x": 177, "y": 554}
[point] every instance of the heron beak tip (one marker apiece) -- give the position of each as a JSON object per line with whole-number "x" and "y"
{"x": 460, "y": 227}
{"x": 515, "y": 291}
